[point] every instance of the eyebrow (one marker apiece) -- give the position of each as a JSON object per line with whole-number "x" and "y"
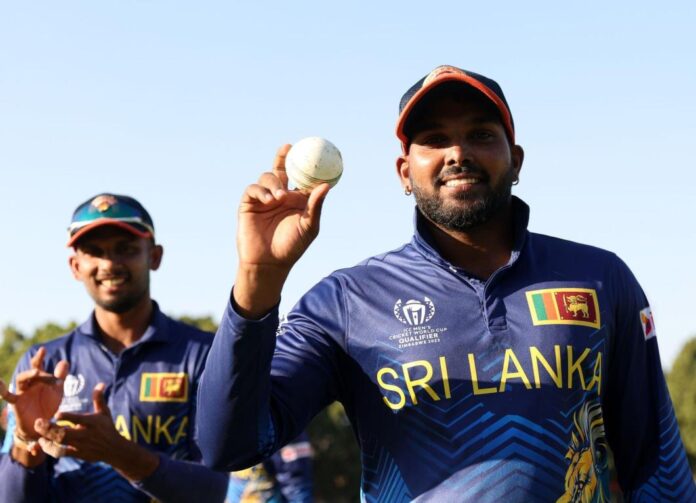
{"x": 433, "y": 124}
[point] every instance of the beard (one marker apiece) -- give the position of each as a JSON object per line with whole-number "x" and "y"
{"x": 124, "y": 302}
{"x": 476, "y": 209}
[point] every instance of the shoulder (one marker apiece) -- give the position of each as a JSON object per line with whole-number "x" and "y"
{"x": 559, "y": 252}
{"x": 189, "y": 333}
{"x": 542, "y": 242}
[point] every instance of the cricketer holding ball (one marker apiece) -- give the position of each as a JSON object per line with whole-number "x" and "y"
{"x": 478, "y": 362}
{"x": 123, "y": 383}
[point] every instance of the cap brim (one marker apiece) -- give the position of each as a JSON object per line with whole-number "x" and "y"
{"x": 453, "y": 77}
{"x": 108, "y": 221}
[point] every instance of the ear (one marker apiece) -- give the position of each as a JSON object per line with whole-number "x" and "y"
{"x": 74, "y": 264}
{"x": 156, "y": 253}
{"x": 517, "y": 155}
{"x": 403, "y": 171}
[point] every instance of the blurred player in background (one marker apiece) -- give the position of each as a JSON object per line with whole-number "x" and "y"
{"x": 286, "y": 477}
{"x": 123, "y": 384}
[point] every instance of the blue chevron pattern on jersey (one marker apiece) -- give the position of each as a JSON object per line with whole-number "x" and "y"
{"x": 458, "y": 389}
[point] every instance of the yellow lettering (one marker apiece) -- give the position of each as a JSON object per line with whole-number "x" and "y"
{"x": 140, "y": 430}
{"x": 445, "y": 376}
{"x": 163, "y": 429}
{"x": 596, "y": 375}
{"x": 474, "y": 379}
{"x": 181, "y": 432}
{"x": 391, "y": 387}
{"x": 576, "y": 366}
{"x": 510, "y": 357}
{"x": 122, "y": 427}
{"x": 538, "y": 358}
{"x": 422, "y": 382}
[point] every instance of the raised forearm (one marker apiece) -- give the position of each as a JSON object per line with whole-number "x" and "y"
{"x": 257, "y": 289}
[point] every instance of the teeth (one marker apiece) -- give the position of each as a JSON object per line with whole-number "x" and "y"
{"x": 113, "y": 282}
{"x": 461, "y": 181}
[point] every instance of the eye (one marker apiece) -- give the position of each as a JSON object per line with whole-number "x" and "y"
{"x": 433, "y": 139}
{"x": 482, "y": 135}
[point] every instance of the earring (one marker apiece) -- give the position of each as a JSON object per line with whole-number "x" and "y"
{"x": 407, "y": 191}
{"x": 516, "y": 181}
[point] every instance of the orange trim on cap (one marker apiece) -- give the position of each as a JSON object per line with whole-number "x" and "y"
{"x": 450, "y": 77}
{"x": 107, "y": 221}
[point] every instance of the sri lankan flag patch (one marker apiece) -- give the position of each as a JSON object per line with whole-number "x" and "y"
{"x": 163, "y": 387}
{"x": 564, "y": 306}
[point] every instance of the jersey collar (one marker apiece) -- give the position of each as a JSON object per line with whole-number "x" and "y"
{"x": 156, "y": 331}
{"x": 425, "y": 243}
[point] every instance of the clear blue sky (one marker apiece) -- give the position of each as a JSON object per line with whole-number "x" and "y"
{"x": 182, "y": 104}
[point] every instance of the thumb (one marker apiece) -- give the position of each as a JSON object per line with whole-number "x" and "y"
{"x": 315, "y": 203}
{"x": 99, "y": 401}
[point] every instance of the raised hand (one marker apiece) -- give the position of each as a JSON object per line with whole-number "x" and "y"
{"x": 93, "y": 437}
{"x": 276, "y": 226}
{"x": 38, "y": 394}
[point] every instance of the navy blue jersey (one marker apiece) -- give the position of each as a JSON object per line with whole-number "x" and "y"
{"x": 150, "y": 390}
{"x": 285, "y": 477}
{"x": 509, "y": 389}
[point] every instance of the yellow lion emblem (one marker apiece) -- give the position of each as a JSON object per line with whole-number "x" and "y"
{"x": 588, "y": 457}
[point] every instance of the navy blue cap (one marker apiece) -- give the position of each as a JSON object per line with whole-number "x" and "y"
{"x": 488, "y": 87}
{"x": 110, "y": 209}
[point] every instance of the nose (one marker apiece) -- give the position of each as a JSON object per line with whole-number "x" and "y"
{"x": 458, "y": 153}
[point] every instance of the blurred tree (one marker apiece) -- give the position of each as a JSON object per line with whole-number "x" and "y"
{"x": 336, "y": 456}
{"x": 202, "y": 322}
{"x": 681, "y": 386}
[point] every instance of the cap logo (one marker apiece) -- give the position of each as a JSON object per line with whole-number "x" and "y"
{"x": 440, "y": 70}
{"x": 103, "y": 203}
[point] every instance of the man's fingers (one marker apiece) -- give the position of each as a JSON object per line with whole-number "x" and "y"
{"x": 54, "y": 449}
{"x": 316, "y": 203}
{"x": 279, "y": 164}
{"x": 61, "y": 370}
{"x": 260, "y": 193}
{"x": 36, "y": 361}
{"x": 50, "y": 431}
{"x": 6, "y": 394}
{"x": 99, "y": 401}
{"x": 31, "y": 377}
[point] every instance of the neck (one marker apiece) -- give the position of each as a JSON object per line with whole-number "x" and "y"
{"x": 121, "y": 330}
{"x": 480, "y": 251}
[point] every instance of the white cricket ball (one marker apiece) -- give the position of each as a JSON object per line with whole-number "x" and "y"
{"x": 312, "y": 161}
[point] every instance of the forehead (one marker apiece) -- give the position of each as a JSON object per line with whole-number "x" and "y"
{"x": 451, "y": 101}
{"x": 106, "y": 234}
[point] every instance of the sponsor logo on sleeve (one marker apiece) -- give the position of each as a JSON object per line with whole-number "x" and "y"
{"x": 646, "y": 320}
{"x": 564, "y": 306}
{"x": 164, "y": 387}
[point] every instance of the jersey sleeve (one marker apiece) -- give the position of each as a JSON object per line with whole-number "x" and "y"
{"x": 256, "y": 395}
{"x": 642, "y": 428}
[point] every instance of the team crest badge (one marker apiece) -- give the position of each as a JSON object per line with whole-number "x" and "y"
{"x": 439, "y": 71}
{"x": 414, "y": 312}
{"x": 163, "y": 387}
{"x": 646, "y": 320}
{"x": 103, "y": 203}
{"x": 564, "y": 306}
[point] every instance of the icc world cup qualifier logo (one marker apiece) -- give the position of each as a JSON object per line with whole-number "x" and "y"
{"x": 414, "y": 312}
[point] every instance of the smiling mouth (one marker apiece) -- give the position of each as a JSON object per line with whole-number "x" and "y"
{"x": 458, "y": 182}
{"x": 112, "y": 282}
